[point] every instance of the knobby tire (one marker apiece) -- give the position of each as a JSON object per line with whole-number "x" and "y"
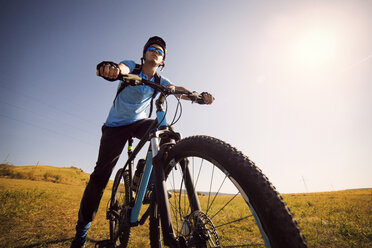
{"x": 120, "y": 197}
{"x": 259, "y": 217}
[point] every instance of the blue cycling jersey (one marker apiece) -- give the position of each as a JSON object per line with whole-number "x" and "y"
{"x": 132, "y": 102}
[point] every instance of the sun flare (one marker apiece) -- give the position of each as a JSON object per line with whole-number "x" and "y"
{"x": 316, "y": 47}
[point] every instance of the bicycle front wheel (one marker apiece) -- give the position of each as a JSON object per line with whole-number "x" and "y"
{"x": 230, "y": 203}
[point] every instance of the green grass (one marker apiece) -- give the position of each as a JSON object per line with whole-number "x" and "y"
{"x": 40, "y": 212}
{"x": 64, "y": 175}
{"x": 334, "y": 219}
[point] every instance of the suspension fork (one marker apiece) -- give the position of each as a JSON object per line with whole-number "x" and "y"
{"x": 161, "y": 188}
{"x": 161, "y": 191}
{"x": 189, "y": 185}
{"x": 158, "y": 162}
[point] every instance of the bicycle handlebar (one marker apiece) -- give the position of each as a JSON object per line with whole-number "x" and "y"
{"x": 134, "y": 80}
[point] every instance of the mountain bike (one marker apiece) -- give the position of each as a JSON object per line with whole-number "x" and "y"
{"x": 196, "y": 192}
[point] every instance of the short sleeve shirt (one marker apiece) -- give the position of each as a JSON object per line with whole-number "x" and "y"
{"x": 132, "y": 102}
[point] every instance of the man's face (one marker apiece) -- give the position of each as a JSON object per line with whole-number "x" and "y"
{"x": 154, "y": 56}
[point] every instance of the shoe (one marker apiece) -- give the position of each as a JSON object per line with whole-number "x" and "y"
{"x": 80, "y": 238}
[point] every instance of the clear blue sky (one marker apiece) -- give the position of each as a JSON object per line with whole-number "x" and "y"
{"x": 292, "y": 80}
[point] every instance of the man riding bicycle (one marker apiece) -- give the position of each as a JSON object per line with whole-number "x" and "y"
{"x": 127, "y": 118}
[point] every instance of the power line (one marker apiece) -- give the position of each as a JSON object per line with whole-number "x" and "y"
{"x": 44, "y": 128}
{"x": 52, "y": 119}
{"x": 47, "y": 104}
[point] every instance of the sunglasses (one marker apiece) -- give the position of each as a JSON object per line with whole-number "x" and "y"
{"x": 158, "y": 50}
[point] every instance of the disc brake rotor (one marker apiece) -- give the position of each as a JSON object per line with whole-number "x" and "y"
{"x": 198, "y": 228}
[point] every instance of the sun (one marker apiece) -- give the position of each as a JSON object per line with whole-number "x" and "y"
{"x": 315, "y": 47}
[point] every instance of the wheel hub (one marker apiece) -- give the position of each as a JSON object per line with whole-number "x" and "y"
{"x": 198, "y": 229}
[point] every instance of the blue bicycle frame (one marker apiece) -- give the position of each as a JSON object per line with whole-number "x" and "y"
{"x": 152, "y": 152}
{"x": 155, "y": 166}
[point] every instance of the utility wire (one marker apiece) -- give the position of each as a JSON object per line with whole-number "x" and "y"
{"x": 44, "y": 128}
{"x": 45, "y": 117}
{"x": 47, "y": 104}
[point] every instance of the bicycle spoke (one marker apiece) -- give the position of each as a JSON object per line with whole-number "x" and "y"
{"x": 193, "y": 168}
{"x": 228, "y": 223}
{"x": 215, "y": 196}
{"x": 225, "y": 205}
{"x": 201, "y": 165}
{"x": 174, "y": 212}
{"x": 186, "y": 202}
{"x": 210, "y": 187}
{"x": 173, "y": 206}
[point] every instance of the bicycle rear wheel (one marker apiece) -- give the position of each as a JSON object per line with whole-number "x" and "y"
{"x": 238, "y": 205}
{"x": 118, "y": 209}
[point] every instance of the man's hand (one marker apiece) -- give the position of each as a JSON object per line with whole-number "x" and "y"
{"x": 207, "y": 98}
{"x": 110, "y": 70}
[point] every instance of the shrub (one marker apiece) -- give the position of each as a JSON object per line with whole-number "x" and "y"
{"x": 5, "y": 170}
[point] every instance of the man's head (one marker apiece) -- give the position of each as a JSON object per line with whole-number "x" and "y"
{"x": 155, "y": 42}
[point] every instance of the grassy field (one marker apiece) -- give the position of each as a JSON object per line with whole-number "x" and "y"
{"x": 39, "y": 205}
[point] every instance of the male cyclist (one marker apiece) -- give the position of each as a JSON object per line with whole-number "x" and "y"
{"x": 127, "y": 117}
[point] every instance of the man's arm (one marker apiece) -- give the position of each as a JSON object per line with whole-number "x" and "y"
{"x": 124, "y": 69}
{"x": 111, "y": 72}
{"x": 207, "y": 98}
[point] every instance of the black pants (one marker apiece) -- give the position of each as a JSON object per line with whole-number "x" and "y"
{"x": 112, "y": 143}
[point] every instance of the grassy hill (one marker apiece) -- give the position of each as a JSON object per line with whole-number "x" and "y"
{"x": 64, "y": 175}
{"x": 39, "y": 205}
